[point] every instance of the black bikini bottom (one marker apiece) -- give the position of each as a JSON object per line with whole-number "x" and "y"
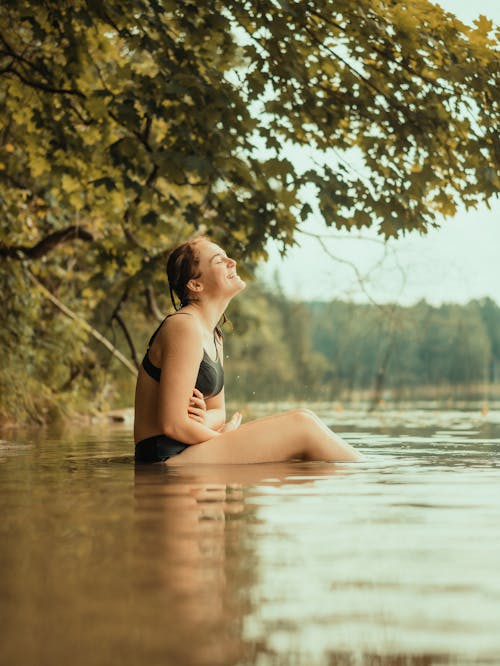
{"x": 157, "y": 449}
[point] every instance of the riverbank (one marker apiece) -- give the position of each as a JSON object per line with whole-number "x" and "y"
{"x": 355, "y": 413}
{"x": 480, "y": 398}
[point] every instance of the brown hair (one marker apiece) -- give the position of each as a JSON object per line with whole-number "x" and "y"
{"x": 182, "y": 266}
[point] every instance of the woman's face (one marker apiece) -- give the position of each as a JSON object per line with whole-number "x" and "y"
{"x": 218, "y": 271}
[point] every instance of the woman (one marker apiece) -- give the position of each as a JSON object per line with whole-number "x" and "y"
{"x": 180, "y": 414}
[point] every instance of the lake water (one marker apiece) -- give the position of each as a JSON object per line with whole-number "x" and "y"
{"x": 391, "y": 561}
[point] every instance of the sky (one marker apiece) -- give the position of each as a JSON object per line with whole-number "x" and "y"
{"x": 458, "y": 262}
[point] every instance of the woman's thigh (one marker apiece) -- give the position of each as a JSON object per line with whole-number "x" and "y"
{"x": 268, "y": 439}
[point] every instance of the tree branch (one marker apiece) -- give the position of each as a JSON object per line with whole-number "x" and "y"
{"x": 84, "y": 324}
{"x": 152, "y": 304}
{"x": 116, "y": 315}
{"x": 46, "y": 244}
{"x": 390, "y": 102}
{"x": 360, "y": 278}
{"x": 123, "y": 326}
{"x": 19, "y": 57}
{"x": 42, "y": 86}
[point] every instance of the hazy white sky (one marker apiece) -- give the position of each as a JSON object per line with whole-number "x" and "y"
{"x": 455, "y": 263}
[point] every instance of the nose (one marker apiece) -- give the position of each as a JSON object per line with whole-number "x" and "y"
{"x": 231, "y": 262}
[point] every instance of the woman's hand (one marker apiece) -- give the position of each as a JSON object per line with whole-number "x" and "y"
{"x": 233, "y": 423}
{"x": 197, "y": 408}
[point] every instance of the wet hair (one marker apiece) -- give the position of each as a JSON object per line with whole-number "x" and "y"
{"x": 183, "y": 265}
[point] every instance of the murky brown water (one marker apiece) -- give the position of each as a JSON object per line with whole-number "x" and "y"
{"x": 391, "y": 561}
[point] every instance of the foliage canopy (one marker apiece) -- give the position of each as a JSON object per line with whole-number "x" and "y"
{"x": 123, "y": 132}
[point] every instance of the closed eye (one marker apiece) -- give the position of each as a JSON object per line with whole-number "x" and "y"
{"x": 220, "y": 256}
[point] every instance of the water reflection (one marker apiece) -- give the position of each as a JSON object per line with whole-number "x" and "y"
{"x": 195, "y": 550}
{"x": 180, "y": 581}
{"x": 392, "y": 561}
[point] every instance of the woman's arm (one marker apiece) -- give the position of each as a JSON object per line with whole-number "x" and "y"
{"x": 216, "y": 410}
{"x": 213, "y": 418}
{"x": 181, "y": 345}
{"x": 211, "y": 412}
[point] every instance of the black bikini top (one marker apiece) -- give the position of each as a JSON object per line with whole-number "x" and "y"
{"x": 210, "y": 378}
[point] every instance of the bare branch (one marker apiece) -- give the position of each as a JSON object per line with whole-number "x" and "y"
{"x": 84, "y": 324}
{"x": 128, "y": 338}
{"x": 362, "y": 279}
{"x": 152, "y": 304}
{"x": 379, "y": 241}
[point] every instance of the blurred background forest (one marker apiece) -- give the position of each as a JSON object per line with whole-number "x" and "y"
{"x": 123, "y": 134}
{"x": 281, "y": 349}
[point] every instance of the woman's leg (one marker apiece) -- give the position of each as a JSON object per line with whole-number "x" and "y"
{"x": 296, "y": 434}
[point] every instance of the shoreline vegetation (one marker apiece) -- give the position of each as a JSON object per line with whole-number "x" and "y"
{"x": 127, "y": 132}
{"x": 479, "y": 398}
{"x": 277, "y": 350}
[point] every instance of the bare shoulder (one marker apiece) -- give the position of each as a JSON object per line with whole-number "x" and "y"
{"x": 182, "y": 330}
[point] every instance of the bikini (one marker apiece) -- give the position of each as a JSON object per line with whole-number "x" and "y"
{"x": 209, "y": 382}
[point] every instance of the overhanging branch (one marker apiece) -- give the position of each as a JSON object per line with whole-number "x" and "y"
{"x": 47, "y": 244}
{"x": 84, "y": 324}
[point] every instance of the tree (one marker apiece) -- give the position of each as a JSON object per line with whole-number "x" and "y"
{"x": 490, "y": 314}
{"x": 454, "y": 345}
{"x": 122, "y": 133}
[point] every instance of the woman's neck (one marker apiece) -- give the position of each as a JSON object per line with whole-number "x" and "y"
{"x": 209, "y": 312}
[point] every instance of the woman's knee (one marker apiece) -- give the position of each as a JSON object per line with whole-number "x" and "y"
{"x": 309, "y": 436}
{"x": 303, "y": 421}
{"x": 303, "y": 416}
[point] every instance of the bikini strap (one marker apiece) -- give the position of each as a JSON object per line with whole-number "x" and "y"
{"x": 156, "y": 331}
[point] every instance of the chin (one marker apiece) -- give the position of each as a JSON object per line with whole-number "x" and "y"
{"x": 241, "y": 285}
{"x": 237, "y": 285}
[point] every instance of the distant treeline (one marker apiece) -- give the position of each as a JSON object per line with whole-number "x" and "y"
{"x": 318, "y": 350}
{"x": 278, "y": 349}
